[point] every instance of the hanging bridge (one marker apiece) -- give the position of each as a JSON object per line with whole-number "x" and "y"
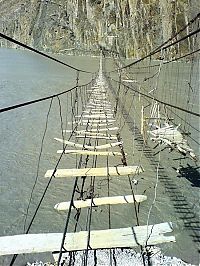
{"x": 165, "y": 121}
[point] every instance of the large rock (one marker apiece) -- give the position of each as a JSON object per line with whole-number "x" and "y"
{"x": 132, "y": 27}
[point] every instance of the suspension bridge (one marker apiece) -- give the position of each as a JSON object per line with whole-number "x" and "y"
{"x": 99, "y": 112}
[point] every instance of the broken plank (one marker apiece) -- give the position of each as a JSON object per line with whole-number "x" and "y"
{"x": 100, "y": 147}
{"x": 96, "y": 137}
{"x": 98, "y": 116}
{"x": 101, "y": 171}
{"x": 97, "y": 134}
{"x": 63, "y": 206}
{"x": 92, "y": 120}
{"x": 98, "y": 112}
{"x": 94, "y": 130}
{"x": 86, "y": 152}
{"x": 95, "y": 116}
{"x": 110, "y": 238}
{"x": 92, "y": 124}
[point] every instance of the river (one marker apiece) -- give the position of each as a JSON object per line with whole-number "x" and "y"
{"x": 25, "y": 76}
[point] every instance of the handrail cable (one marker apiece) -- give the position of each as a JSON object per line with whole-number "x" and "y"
{"x": 41, "y": 53}
{"x": 156, "y": 99}
{"x": 170, "y": 61}
{"x": 44, "y": 193}
{"x": 38, "y": 164}
{"x": 157, "y": 51}
{"x": 178, "y": 32}
{"x": 5, "y": 109}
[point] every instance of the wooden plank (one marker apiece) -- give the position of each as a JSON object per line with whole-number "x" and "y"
{"x": 92, "y": 120}
{"x": 100, "y": 104}
{"x": 97, "y": 134}
{"x": 86, "y": 152}
{"x": 98, "y": 116}
{"x": 92, "y": 124}
{"x": 93, "y": 130}
{"x": 100, "y": 98}
{"x": 97, "y": 112}
{"x": 96, "y": 100}
{"x": 96, "y": 137}
{"x": 95, "y": 115}
{"x": 110, "y": 238}
{"x": 101, "y": 171}
{"x": 100, "y": 147}
{"x": 99, "y": 108}
{"x": 129, "y": 80}
{"x": 63, "y": 206}
{"x": 99, "y": 125}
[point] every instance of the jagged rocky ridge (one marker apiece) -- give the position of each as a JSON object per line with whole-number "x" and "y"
{"x": 130, "y": 27}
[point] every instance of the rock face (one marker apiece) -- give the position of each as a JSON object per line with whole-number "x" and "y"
{"x": 130, "y": 27}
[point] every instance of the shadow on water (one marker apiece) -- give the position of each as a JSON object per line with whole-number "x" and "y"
{"x": 183, "y": 209}
{"x": 191, "y": 174}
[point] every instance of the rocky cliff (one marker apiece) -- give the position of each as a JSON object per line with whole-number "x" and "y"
{"x": 130, "y": 27}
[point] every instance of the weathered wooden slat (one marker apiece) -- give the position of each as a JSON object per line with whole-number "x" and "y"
{"x": 92, "y": 124}
{"x": 100, "y": 98}
{"x": 86, "y": 152}
{"x": 111, "y": 238}
{"x": 130, "y": 80}
{"x": 96, "y": 134}
{"x": 99, "y": 108}
{"x": 95, "y": 115}
{"x": 96, "y": 137}
{"x": 93, "y": 130}
{"x": 100, "y": 104}
{"x": 101, "y": 171}
{"x": 63, "y": 206}
{"x": 92, "y": 120}
{"x": 100, "y": 147}
{"x": 96, "y": 100}
{"x": 98, "y": 116}
{"x": 100, "y": 125}
{"x": 93, "y": 112}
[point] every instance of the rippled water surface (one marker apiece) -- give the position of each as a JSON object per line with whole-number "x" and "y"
{"x": 25, "y": 76}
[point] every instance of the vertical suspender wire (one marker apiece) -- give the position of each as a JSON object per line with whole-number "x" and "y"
{"x": 133, "y": 194}
{"x": 77, "y": 84}
{"x": 72, "y": 112}
{"x": 109, "y": 209}
{"x": 41, "y": 200}
{"x": 77, "y": 216}
{"x": 61, "y": 121}
{"x": 38, "y": 165}
{"x": 76, "y": 103}
{"x": 66, "y": 116}
{"x": 90, "y": 209}
{"x": 118, "y": 91}
{"x": 68, "y": 215}
{"x": 70, "y": 208}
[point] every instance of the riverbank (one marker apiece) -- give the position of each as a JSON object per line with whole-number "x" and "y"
{"x": 125, "y": 257}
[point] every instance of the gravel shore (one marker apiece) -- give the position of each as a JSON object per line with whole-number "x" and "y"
{"x": 123, "y": 257}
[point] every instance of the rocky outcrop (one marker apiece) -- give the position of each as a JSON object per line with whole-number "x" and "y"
{"x": 130, "y": 27}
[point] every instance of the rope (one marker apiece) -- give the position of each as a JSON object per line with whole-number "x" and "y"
{"x": 40, "y": 53}
{"x": 61, "y": 121}
{"x": 41, "y": 200}
{"x": 72, "y": 200}
{"x": 157, "y": 51}
{"x": 173, "y": 60}
{"x": 38, "y": 165}
{"x": 2, "y": 110}
{"x": 177, "y": 33}
{"x": 156, "y": 99}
